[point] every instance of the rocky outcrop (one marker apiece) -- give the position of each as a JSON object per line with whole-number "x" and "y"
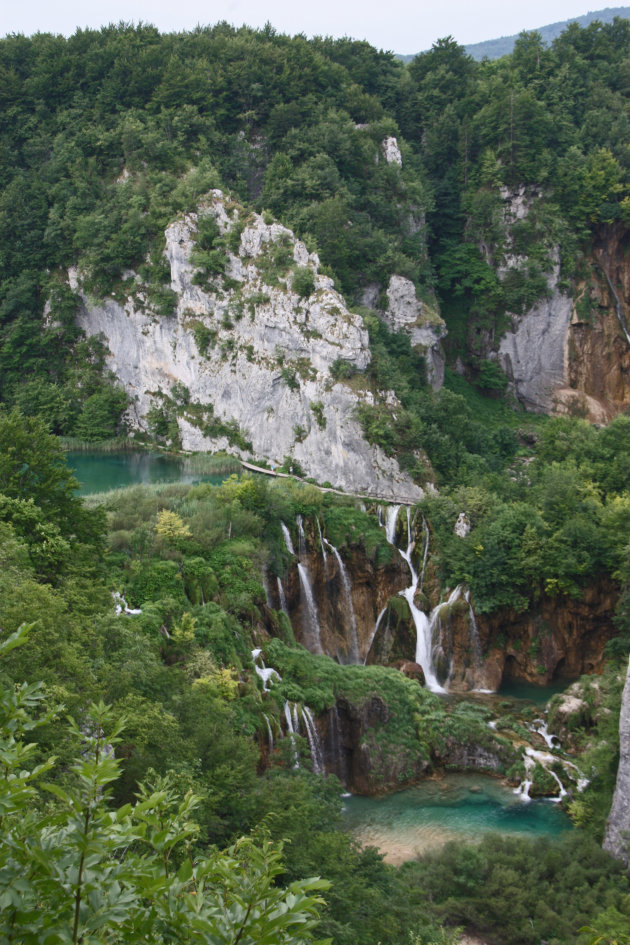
{"x": 561, "y": 637}
{"x": 533, "y": 354}
{"x": 421, "y": 322}
{"x": 617, "y": 839}
{"x": 363, "y": 761}
{"x": 391, "y": 151}
{"x": 244, "y": 363}
{"x": 571, "y": 353}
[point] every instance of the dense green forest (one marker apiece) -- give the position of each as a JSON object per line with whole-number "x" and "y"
{"x": 135, "y": 749}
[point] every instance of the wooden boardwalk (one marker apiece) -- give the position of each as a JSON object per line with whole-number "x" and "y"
{"x": 350, "y": 495}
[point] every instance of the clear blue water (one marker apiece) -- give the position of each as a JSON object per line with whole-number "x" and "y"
{"x": 460, "y": 807}
{"x": 102, "y": 472}
{"x": 514, "y": 689}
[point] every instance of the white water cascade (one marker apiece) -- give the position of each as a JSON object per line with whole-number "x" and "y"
{"x": 282, "y": 597}
{"x": 353, "y": 654}
{"x": 323, "y": 547}
{"x": 291, "y": 732}
{"x": 311, "y": 623}
{"x": 121, "y": 606}
{"x": 530, "y": 757}
{"x": 314, "y": 741}
{"x": 423, "y": 624}
{"x": 269, "y": 732}
{"x": 267, "y": 674}
{"x": 391, "y": 517}
{"x": 301, "y": 536}
{"x": 287, "y": 539}
{"x": 374, "y": 632}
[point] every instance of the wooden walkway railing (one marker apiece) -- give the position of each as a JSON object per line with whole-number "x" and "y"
{"x": 352, "y": 495}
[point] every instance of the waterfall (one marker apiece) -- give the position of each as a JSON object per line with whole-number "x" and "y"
{"x": 301, "y": 536}
{"x": 265, "y": 584}
{"x": 267, "y": 674}
{"x": 539, "y": 726}
{"x": 391, "y": 517}
{"x": 311, "y": 623}
{"x": 618, "y": 306}
{"x": 269, "y": 731}
{"x": 425, "y": 552}
{"x": 121, "y": 606}
{"x": 347, "y": 586}
{"x": 424, "y": 626}
{"x": 321, "y": 542}
{"x": 291, "y": 733}
{"x": 287, "y": 539}
{"x": 374, "y": 632}
{"x": 296, "y": 719}
{"x": 379, "y": 515}
{"x": 282, "y": 598}
{"x": 314, "y": 741}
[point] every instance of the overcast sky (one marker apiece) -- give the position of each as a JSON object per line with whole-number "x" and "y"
{"x": 404, "y": 26}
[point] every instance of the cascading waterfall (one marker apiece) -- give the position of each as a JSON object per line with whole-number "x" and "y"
{"x": 265, "y": 584}
{"x": 311, "y": 621}
{"x": 422, "y": 623}
{"x": 314, "y": 741}
{"x": 374, "y": 632}
{"x": 282, "y": 598}
{"x": 301, "y": 536}
{"x": 312, "y": 633}
{"x": 618, "y": 306}
{"x": 291, "y": 733}
{"x": 121, "y": 606}
{"x": 379, "y": 513}
{"x": 391, "y": 517}
{"x": 267, "y": 674}
{"x": 353, "y": 655}
{"x": 323, "y": 547}
{"x": 425, "y": 552}
{"x": 269, "y": 732}
{"x": 337, "y": 752}
{"x": 287, "y": 539}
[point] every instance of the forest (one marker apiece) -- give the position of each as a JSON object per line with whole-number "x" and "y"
{"x": 153, "y": 788}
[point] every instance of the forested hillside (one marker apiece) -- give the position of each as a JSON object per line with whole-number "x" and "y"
{"x": 379, "y": 280}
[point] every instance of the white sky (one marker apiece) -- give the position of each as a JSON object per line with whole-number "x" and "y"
{"x": 404, "y": 26}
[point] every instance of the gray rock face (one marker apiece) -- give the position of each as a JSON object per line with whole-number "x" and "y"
{"x": 617, "y": 839}
{"x": 264, "y": 360}
{"x": 391, "y": 151}
{"x": 406, "y": 313}
{"x": 534, "y": 354}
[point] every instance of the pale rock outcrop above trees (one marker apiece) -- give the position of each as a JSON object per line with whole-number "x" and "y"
{"x": 406, "y": 313}
{"x": 617, "y": 839}
{"x": 263, "y": 367}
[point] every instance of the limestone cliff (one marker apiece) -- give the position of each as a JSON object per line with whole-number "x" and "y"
{"x": 244, "y": 362}
{"x": 406, "y": 313}
{"x": 617, "y": 839}
{"x": 570, "y": 352}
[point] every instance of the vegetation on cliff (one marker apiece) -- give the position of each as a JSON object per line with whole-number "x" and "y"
{"x": 104, "y": 139}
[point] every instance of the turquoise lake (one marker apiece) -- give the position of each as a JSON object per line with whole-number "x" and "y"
{"x": 102, "y": 472}
{"x": 461, "y": 807}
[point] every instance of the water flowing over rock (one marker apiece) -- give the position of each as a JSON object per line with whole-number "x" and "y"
{"x": 353, "y": 653}
{"x": 267, "y": 674}
{"x": 314, "y": 741}
{"x": 282, "y": 597}
{"x": 121, "y": 606}
{"x": 252, "y": 356}
{"x": 617, "y": 839}
{"x": 424, "y": 626}
{"x": 287, "y": 539}
{"x": 311, "y": 628}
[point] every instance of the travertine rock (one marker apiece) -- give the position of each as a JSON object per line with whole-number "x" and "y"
{"x": 406, "y": 313}
{"x": 268, "y": 370}
{"x": 617, "y": 839}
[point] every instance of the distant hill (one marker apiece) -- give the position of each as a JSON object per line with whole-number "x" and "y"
{"x": 495, "y": 48}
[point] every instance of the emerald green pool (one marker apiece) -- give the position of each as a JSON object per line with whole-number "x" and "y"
{"x": 460, "y": 807}
{"x": 102, "y": 472}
